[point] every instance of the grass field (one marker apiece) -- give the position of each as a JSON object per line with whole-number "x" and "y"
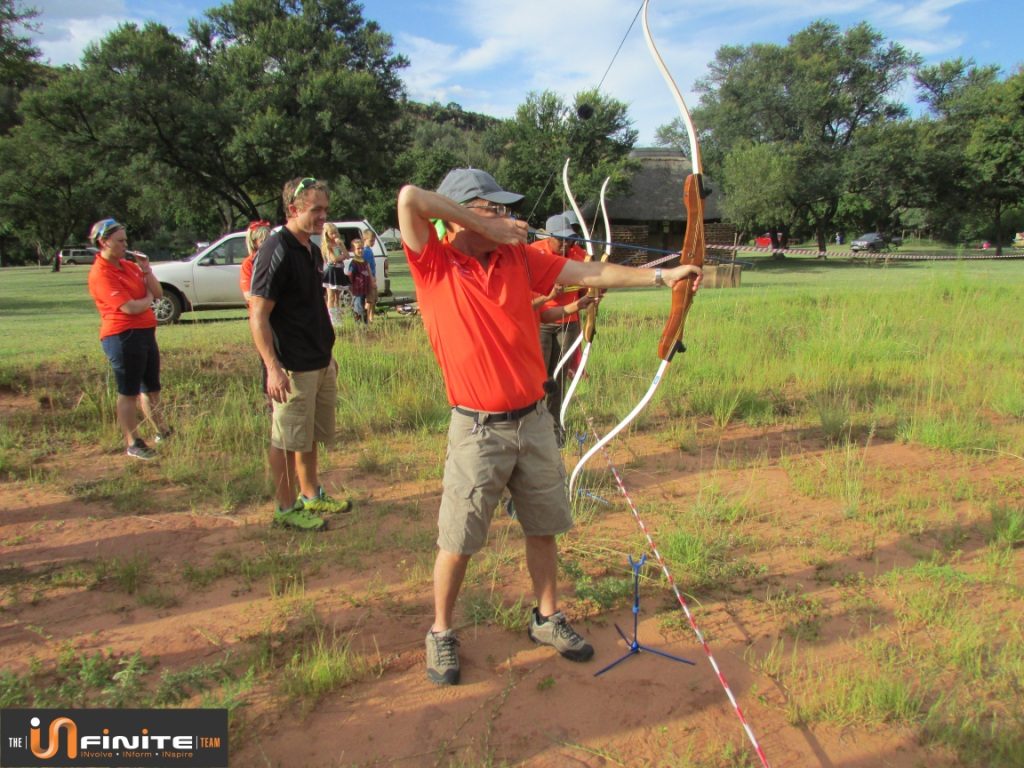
{"x": 832, "y": 471}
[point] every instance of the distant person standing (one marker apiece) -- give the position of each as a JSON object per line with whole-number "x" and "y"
{"x": 292, "y": 332}
{"x": 559, "y": 333}
{"x": 255, "y": 235}
{"x": 124, "y": 293}
{"x": 334, "y": 270}
{"x": 360, "y": 280}
{"x": 371, "y": 261}
{"x": 257, "y": 232}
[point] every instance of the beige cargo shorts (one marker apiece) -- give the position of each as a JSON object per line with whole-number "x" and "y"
{"x": 308, "y": 413}
{"x": 482, "y": 460}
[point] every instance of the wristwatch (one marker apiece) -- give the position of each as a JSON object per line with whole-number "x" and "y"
{"x": 658, "y": 279}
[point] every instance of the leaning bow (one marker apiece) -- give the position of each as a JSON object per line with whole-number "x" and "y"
{"x": 590, "y": 256}
{"x": 692, "y": 253}
{"x": 590, "y": 313}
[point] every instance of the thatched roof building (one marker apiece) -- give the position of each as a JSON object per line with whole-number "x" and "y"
{"x": 658, "y": 190}
{"x": 652, "y": 214}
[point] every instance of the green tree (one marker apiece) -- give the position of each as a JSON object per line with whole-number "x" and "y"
{"x": 46, "y": 195}
{"x": 808, "y": 101}
{"x": 18, "y": 67}
{"x": 995, "y": 152}
{"x": 310, "y": 87}
{"x": 595, "y": 131}
{"x": 442, "y": 137}
{"x": 975, "y": 138}
{"x": 261, "y": 91}
{"x": 753, "y": 207}
{"x": 889, "y": 167}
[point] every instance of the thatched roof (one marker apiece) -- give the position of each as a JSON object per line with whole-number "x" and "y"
{"x": 657, "y": 190}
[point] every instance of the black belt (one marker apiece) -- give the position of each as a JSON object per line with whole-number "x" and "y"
{"x": 482, "y": 417}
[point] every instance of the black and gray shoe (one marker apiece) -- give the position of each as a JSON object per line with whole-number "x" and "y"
{"x": 139, "y": 450}
{"x": 557, "y": 632}
{"x": 443, "y": 657}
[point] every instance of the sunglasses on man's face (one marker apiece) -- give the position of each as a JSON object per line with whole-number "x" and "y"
{"x": 496, "y": 208}
{"x": 305, "y": 184}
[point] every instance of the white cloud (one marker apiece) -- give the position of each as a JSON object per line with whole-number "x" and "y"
{"x": 67, "y": 39}
{"x": 66, "y": 27}
{"x": 566, "y": 46}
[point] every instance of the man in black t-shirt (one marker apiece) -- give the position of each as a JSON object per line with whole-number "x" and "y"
{"x": 293, "y": 334}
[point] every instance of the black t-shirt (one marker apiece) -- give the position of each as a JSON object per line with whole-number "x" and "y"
{"x": 289, "y": 274}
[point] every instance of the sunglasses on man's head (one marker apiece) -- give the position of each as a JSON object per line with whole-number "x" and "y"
{"x": 305, "y": 184}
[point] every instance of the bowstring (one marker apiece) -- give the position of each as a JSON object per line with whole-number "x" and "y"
{"x": 607, "y": 70}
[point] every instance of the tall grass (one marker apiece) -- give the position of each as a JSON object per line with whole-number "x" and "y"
{"x": 830, "y": 347}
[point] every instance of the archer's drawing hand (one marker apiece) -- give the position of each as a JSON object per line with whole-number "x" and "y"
{"x": 503, "y": 231}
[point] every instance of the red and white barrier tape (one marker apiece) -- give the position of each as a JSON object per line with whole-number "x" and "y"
{"x": 683, "y": 604}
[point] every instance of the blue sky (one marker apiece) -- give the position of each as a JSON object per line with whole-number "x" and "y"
{"x": 489, "y": 56}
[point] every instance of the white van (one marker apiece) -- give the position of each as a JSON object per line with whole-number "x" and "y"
{"x": 209, "y": 279}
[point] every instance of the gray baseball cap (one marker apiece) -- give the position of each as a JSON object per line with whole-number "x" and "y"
{"x": 570, "y": 216}
{"x": 464, "y": 184}
{"x": 559, "y": 226}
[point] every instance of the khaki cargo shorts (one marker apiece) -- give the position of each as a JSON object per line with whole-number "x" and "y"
{"x": 485, "y": 458}
{"x": 308, "y": 413}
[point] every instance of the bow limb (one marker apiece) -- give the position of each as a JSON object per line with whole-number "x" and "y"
{"x": 576, "y": 209}
{"x": 676, "y": 93}
{"x": 590, "y": 255}
{"x": 589, "y": 325}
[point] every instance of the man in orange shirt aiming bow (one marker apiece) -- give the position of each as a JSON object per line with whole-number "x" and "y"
{"x": 474, "y": 286}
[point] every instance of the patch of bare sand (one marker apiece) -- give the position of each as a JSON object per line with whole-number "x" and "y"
{"x": 518, "y": 703}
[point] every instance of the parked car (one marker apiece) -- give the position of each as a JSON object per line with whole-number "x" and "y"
{"x": 87, "y": 255}
{"x": 77, "y": 255}
{"x": 874, "y": 241}
{"x": 208, "y": 279}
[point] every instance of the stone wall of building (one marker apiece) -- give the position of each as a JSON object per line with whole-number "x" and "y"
{"x": 641, "y": 234}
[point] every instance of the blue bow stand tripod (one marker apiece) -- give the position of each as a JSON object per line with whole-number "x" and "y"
{"x": 581, "y": 438}
{"x": 634, "y": 646}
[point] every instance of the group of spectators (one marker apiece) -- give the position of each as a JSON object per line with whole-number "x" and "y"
{"x": 354, "y": 268}
{"x": 476, "y": 279}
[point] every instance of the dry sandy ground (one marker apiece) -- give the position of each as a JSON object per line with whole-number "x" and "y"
{"x": 518, "y": 704}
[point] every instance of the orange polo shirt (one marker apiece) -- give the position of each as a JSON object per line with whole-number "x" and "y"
{"x": 551, "y": 245}
{"x": 245, "y": 276}
{"x": 110, "y": 287}
{"x": 481, "y": 324}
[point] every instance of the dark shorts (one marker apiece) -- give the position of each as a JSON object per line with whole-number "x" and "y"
{"x": 135, "y": 358}
{"x": 335, "y": 277}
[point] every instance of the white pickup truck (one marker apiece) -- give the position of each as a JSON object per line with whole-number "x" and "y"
{"x": 209, "y": 278}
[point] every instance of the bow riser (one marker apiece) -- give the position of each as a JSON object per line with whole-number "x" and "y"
{"x": 692, "y": 253}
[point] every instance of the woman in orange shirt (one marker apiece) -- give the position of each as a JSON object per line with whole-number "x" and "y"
{"x": 254, "y": 237}
{"x": 257, "y": 232}
{"x": 124, "y": 292}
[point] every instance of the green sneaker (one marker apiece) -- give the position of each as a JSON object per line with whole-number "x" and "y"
{"x": 322, "y": 504}
{"x": 298, "y": 519}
